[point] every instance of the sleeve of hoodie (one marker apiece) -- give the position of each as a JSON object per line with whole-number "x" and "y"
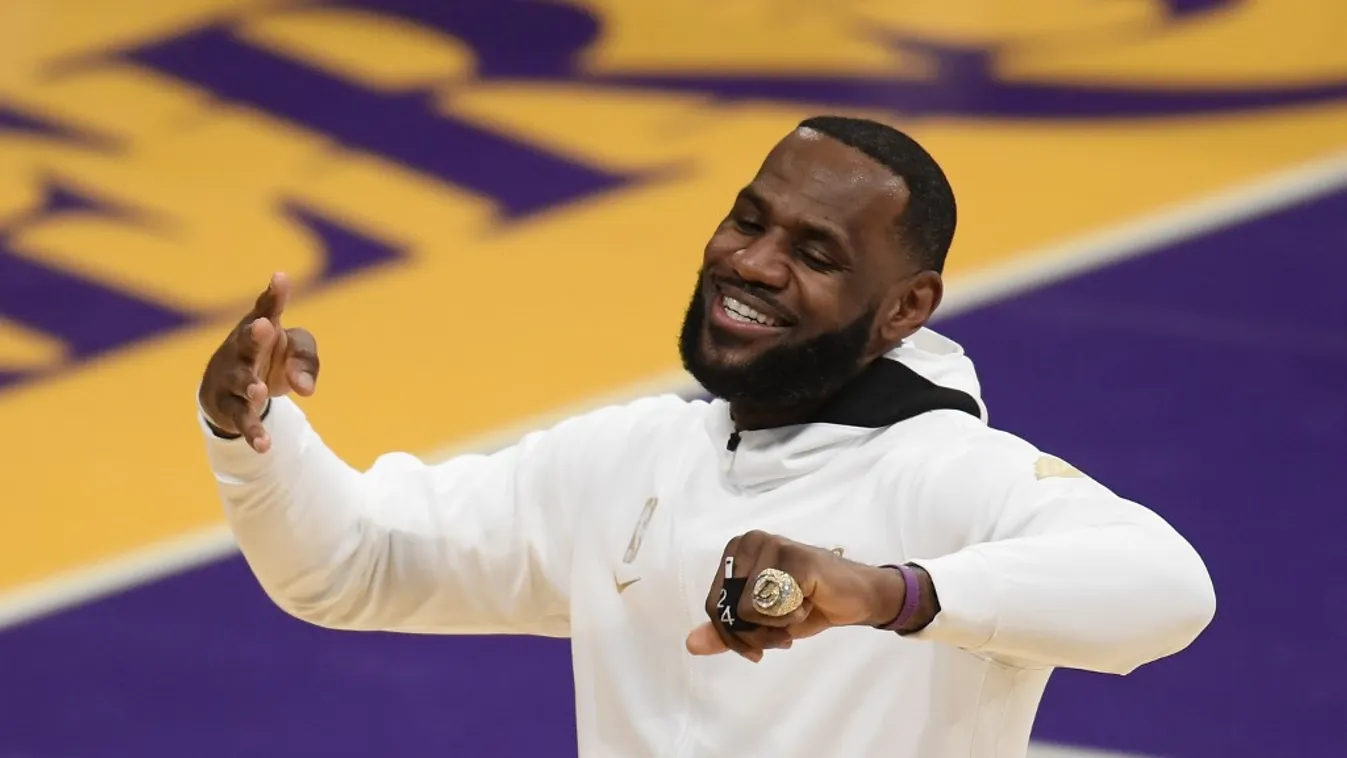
{"x": 477, "y": 544}
{"x": 1035, "y": 564}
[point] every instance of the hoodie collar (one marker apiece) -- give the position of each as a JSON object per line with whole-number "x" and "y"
{"x": 927, "y": 372}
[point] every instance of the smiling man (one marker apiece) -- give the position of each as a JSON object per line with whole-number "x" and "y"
{"x": 835, "y": 556}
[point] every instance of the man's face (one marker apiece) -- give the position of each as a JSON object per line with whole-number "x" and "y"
{"x": 799, "y": 280}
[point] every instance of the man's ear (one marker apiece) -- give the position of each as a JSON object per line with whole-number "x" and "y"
{"x": 909, "y": 306}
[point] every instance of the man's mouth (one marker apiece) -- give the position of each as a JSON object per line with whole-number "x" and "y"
{"x": 746, "y": 315}
{"x": 738, "y": 310}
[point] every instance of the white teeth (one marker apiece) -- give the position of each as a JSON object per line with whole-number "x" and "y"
{"x": 740, "y": 312}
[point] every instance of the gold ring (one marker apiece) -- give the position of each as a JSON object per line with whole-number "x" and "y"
{"x": 776, "y": 593}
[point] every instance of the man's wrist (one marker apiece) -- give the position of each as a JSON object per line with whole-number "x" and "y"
{"x": 224, "y": 434}
{"x": 888, "y": 591}
{"x": 905, "y": 599}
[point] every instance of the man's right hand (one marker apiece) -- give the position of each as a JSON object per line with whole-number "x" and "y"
{"x": 259, "y": 360}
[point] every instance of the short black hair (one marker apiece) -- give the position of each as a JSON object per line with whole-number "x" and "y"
{"x": 927, "y": 225}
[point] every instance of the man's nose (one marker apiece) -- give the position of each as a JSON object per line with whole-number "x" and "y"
{"x": 764, "y": 261}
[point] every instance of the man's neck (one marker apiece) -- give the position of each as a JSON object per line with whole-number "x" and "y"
{"x": 748, "y": 417}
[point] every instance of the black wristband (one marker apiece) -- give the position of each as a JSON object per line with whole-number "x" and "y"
{"x": 222, "y": 434}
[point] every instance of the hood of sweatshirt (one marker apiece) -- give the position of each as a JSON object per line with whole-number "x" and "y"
{"x": 927, "y": 372}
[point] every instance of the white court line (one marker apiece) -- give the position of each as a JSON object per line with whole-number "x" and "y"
{"x": 1033, "y": 269}
{"x": 1049, "y": 750}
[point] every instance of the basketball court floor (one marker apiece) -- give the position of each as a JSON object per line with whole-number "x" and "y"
{"x": 496, "y": 209}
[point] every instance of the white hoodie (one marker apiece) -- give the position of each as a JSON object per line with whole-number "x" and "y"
{"x": 608, "y": 529}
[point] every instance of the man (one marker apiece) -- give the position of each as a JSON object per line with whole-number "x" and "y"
{"x": 836, "y": 556}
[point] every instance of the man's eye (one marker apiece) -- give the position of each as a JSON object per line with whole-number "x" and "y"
{"x": 816, "y": 260}
{"x": 747, "y": 226}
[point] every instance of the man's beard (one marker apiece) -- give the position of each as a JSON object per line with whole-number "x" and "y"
{"x": 783, "y": 377}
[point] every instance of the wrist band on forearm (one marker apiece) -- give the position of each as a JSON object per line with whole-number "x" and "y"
{"x": 911, "y": 598}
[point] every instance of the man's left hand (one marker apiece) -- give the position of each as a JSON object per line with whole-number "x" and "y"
{"x": 837, "y": 592}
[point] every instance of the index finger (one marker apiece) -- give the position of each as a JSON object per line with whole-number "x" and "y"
{"x": 271, "y": 303}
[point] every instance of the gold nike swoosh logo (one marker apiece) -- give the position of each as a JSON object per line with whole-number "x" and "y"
{"x": 622, "y": 586}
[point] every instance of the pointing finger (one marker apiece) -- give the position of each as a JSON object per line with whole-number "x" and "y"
{"x": 271, "y": 303}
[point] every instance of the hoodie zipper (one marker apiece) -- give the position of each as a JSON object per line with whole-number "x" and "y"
{"x": 732, "y": 447}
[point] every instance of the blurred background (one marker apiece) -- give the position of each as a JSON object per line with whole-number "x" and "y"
{"x": 495, "y": 210}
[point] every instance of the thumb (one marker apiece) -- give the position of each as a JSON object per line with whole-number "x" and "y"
{"x": 704, "y": 641}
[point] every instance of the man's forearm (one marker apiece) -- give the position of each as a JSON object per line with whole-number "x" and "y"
{"x": 1104, "y": 598}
